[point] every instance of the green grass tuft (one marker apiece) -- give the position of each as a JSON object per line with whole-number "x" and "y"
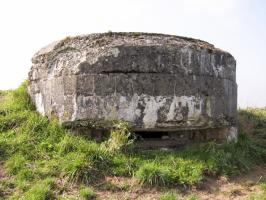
{"x": 15, "y": 163}
{"x": 87, "y": 193}
{"x": 40, "y": 191}
{"x": 154, "y": 174}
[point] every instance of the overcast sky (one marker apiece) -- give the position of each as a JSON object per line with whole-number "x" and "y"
{"x": 237, "y": 26}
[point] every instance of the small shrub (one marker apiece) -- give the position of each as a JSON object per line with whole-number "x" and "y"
{"x": 154, "y": 174}
{"x": 87, "y": 193}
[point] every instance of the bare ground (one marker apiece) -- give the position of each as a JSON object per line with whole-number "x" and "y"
{"x": 238, "y": 188}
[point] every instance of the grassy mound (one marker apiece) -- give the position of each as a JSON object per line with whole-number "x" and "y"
{"x": 39, "y": 155}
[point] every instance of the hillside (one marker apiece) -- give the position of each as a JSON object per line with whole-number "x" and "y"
{"x": 39, "y": 159}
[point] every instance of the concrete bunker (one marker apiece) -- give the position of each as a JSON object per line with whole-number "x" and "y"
{"x": 167, "y": 87}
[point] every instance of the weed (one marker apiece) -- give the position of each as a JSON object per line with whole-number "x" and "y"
{"x": 120, "y": 137}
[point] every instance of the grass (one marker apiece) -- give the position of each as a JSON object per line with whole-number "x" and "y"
{"x": 154, "y": 174}
{"x": 41, "y": 190}
{"x": 87, "y": 193}
{"x": 261, "y": 196}
{"x": 193, "y": 197}
{"x": 257, "y": 197}
{"x": 38, "y": 154}
{"x": 252, "y": 121}
{"x": 169, "y": 196}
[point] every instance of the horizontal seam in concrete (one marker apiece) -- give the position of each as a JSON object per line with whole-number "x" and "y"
{"x": 164, "y": 73}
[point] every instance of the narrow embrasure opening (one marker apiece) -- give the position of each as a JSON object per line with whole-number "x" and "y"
{"x": 151, "y": 135}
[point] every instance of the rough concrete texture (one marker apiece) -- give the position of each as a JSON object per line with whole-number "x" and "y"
{"x": 154, "y": 81}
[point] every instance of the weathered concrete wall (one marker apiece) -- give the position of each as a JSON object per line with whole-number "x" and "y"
{"x": 154, "y": 81}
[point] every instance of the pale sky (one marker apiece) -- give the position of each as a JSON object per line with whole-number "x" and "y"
{"x": 237, "y": 26}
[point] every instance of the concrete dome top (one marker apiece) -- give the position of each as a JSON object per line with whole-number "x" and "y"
{"x": 123, "y": 38}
